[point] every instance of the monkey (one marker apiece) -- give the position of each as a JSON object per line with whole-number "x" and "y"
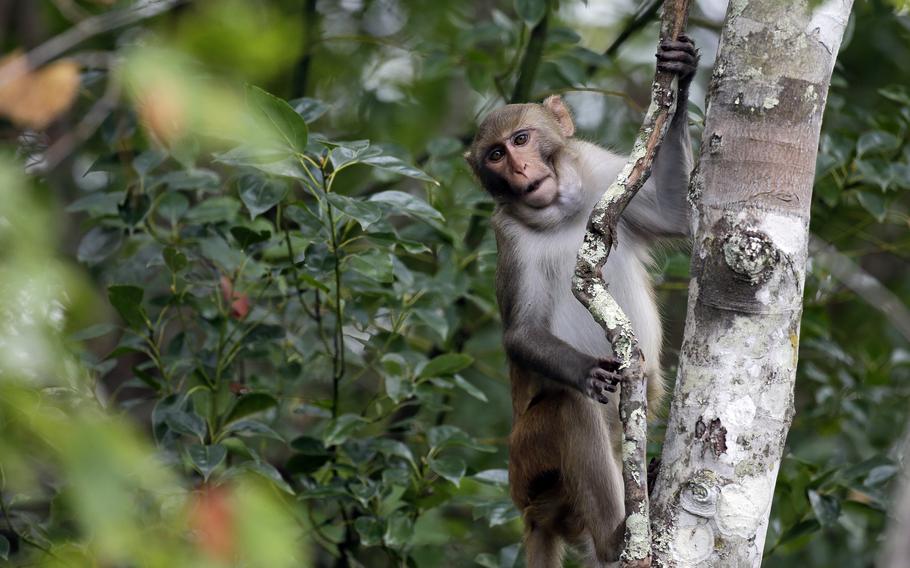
{"x": 564, "y": 458}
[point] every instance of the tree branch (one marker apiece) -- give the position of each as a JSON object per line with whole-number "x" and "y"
{"x": 591, "y": 291}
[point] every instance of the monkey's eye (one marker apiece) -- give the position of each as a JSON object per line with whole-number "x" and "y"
{"x": 521, "y": 139}
{"x": 495, "y": 155}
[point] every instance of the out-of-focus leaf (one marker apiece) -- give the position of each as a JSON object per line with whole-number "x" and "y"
{"x": 269, "y": 472}
{"x": 395, "y": 165}
{"x": 825, "y": 507}
{"x": 531, "y": 11}
{"x": 188, "y": 423}
{"x": 174, "y": 259}
{"x": 247, "y": 237}
{"x": 398, "y": 531}
{"x": 289, "y": 128}
{"x": 309, "y": 109}
{"x": 370, "y": 530}
{"x": 402, "y": 203}
{"x": 341, "y": 428}
{"x": 214, "y": 210}
{"x": 451, "y": 468}
{"x": 251, "y": 404}
{"x": 873, "y": 203}
{"x": 127, "y": 300}
{"x": 446, "y": 364}
{"x": 492, "y": 476}
{"x": 373, "y": 263}
{"x": 876, "y": 141}
{"x": 172, "y": 206}
{"x": 98, "y": 244}
{"x": 93, "y": 331}
{"x": 4, "y": 548}
{"x": 207, "y": 458}
{"x": 96, "y": 204}
{"x": 253, "y": 428}
{"x": 260, "y": 194}
{"x": 364, "y": 212}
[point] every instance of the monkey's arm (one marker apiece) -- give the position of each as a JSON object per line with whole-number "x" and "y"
{"x": 528, "y": 341}
{"x": 660, "y": 209}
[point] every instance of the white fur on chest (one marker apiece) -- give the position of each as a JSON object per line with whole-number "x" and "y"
{"x": 548, "y": 261}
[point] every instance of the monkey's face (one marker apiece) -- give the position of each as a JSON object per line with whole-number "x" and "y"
{"x": 519, "y": 161}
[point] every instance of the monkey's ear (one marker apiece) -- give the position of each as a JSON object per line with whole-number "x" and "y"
{"x": 563, "y": 115}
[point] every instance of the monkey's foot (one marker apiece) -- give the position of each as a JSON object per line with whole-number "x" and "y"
{"x": 679, "y": 57}
{"x": 602, "y": 379}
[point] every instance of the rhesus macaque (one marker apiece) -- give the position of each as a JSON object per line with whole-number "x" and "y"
{"x": 565, "y": 465}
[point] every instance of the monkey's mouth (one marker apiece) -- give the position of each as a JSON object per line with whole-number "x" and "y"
{"x": 534, "y": 185}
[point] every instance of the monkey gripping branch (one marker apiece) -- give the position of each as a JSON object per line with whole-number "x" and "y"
{"x": 589, "y": 288}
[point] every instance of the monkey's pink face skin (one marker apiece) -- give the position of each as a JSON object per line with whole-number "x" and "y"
{"x": 518, "y": 161}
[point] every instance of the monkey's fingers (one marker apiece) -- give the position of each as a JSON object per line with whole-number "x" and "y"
{"x": 609, "y": 364}
{"x": 609, "y": 380}
{"x": 681, "y": 69}
{"x": 681, "y": 56}
{"x": 687, "y": 46}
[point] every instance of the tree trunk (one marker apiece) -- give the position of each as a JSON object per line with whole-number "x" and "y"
{"x": 751, "y": 195}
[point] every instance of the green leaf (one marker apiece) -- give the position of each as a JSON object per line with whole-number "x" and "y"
{"x": 247, "y": 237}
{"x": 253, "y": 428}
{"x": 874, "y": 204}
{"x": 497, "y": 512}
{"x": 174, "y": 259}
{"x": 398, "y": 530}
{"x": 531, "y": 11}
{"x": 188, "y": 423}
{"x": 251, "y": 403}
{"x": 269, "y": 472}
{"x": 4, "y": 548}
{"x": 274, "y": 162}
{"x": 147, "y": 161}
{"x": 206, "y": 458}
{"x": 340, "y": 429}
{"x": 96, "y": 204}
{"x": 469, "y": 388}
{"x": 451, "y": 468}
{"x": 172, "y": 206}
{"x": 395, "y": 165}
{"x": 93, "y": 331}
{"x": 127, "y": 300}
{"x": 402, "y": 203}
{"x": 493, "y": 476}
{"x": 825, "y": 507}
{"x": 444, "y": 365}
{"x": 362, "y": 211}
{"x": 389, "y": 447}
{"x": 260, "y": 194}
{"x": 370, "y": 530}
{"x": 98, "y": 244}
{"x": 877, "y": 142}
{"x": 309, "y": 109}
{"x": 373, "y": 263}
{"x": 288, "y": 128}
{"x": 214, "y": 210}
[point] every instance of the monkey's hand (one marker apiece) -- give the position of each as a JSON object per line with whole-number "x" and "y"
{"x": 602, "y": 379}
{"x": 679, "y": 57}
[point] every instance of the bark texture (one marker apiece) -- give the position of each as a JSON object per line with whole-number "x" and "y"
{"x": 751, "y": 192}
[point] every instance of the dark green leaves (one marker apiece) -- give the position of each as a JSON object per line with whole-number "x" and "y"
{"x": 206, "y": 458}
{"x": 260, "y": 194}
{"x": 127, "y": 300}
{"x": 251, "y": 404}
{"x": 288, "y": 130}
{"x": 446, "y": 365}
{"x": 531, "y": 11}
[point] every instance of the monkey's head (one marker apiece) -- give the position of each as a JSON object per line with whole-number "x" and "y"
{"x": 515, "y": 149}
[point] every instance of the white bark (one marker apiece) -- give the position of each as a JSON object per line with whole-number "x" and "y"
{"x": 751, "y": 193}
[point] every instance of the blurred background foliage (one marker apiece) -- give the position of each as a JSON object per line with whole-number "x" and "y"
{"x": 248, "y": 314}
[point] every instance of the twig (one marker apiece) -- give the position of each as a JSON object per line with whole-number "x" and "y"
{"x": 92, "y": 120}
{"x": 591, "y": 291}
{"x": 87, "y": 28}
